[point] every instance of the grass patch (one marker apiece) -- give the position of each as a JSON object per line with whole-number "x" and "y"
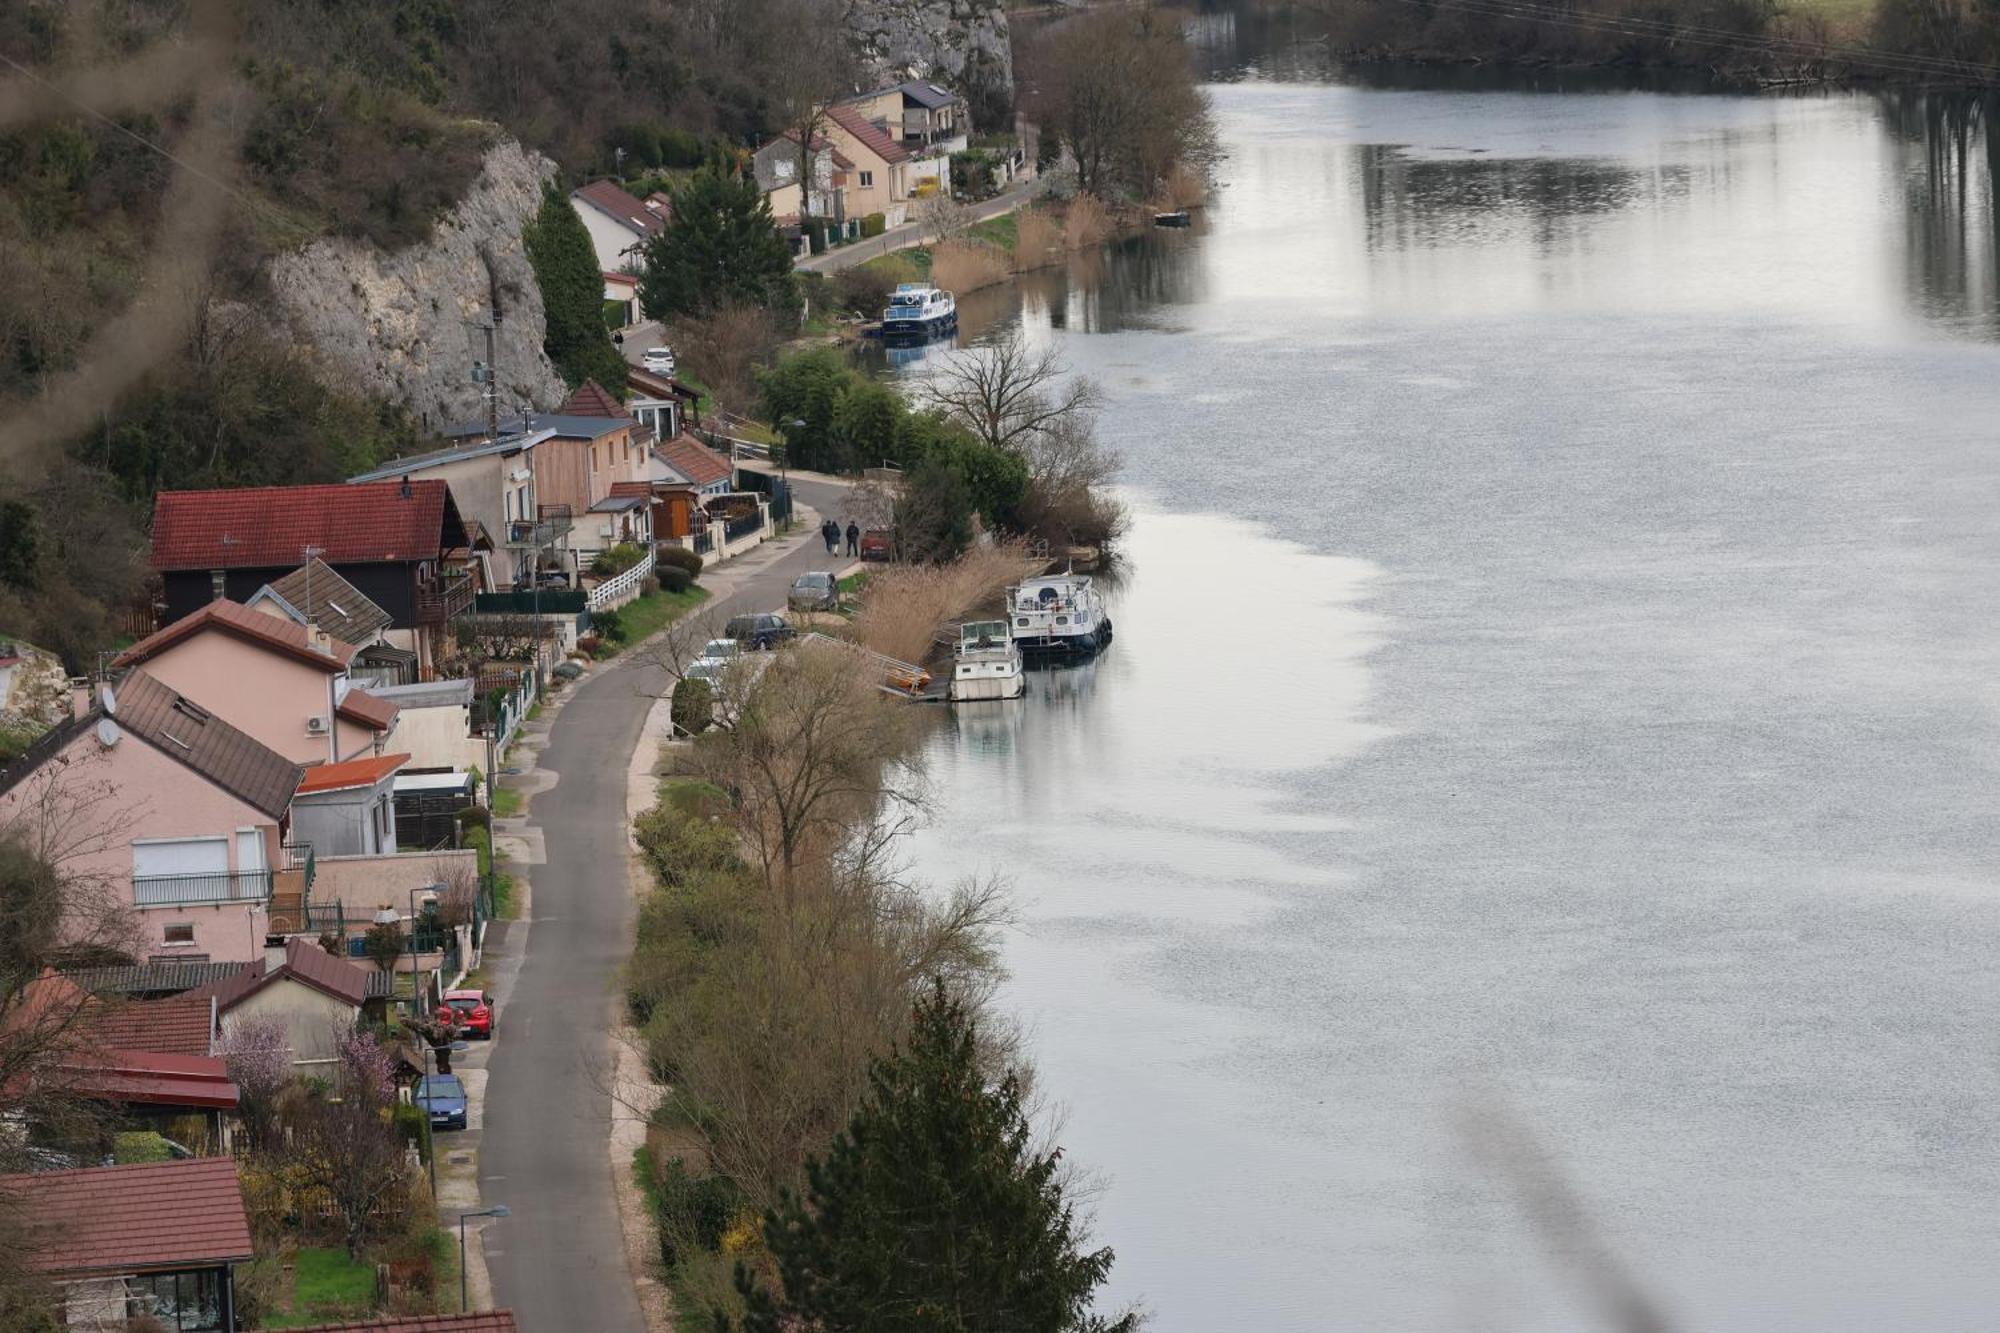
{"x": 912, "y": 265}
{"x": 998, "y": 232}
{"x": 326, "y": 1285}
{"x": 854, "y": 585}
{"x": 507, "y": 802}
{"x": 504, "y": 895}
{"x": 640, "y": 619}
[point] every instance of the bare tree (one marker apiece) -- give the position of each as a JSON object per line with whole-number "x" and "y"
{"x": 343, "y": 1144}
{"x": 944, "y": 218}
{"x": 1009, "y": 390}
{"x": 809, "y": 65}
{"x": 725, "y": 349}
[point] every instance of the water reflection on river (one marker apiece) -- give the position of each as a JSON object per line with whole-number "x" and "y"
{"x": 1554, "y": 673}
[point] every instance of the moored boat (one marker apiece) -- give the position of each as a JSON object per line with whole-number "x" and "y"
{"x": 919, "y": 309}
{"x": 1057, "y": 615}
{"x": 988, "y": 663}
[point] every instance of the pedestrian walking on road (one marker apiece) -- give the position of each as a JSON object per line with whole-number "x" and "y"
{"x": 853, "y": 537}
{"x": 830, "y": 531}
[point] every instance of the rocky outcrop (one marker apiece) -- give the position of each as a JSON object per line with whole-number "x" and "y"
{"x": 403, "y": 325}
{"x": 960, "y": 42}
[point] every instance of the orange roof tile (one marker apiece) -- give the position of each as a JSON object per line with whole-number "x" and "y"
{"x": 871, "y": 136}
{"x": 364, "y": 772}
{"x": 363, "y": 707}
{"x": 270, "y": 526}
{"x": 591, "y": 399}
{"x": 166, "y": 1027}
{"x": 701, "y": 465}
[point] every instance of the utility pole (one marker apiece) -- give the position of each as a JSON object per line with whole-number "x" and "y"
{"x": 312, "y": 553}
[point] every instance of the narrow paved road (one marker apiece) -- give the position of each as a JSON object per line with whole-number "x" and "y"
{"x": 559, "y": 1260}
{"x": 911, "y": 234}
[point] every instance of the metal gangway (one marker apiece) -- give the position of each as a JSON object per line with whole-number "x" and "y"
{"x": 906, "y": 680}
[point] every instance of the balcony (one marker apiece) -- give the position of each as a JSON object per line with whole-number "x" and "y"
{"x": 445, "y": 598}
{"x": 249, "y": 886}
{"x": 552, "y": 524}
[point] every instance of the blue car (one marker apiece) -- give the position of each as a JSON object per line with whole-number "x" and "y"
{"x": 445, "y": 1096}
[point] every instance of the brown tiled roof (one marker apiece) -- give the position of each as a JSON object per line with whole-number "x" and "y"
{"x": 358, "y": 705}
{"x": 247, "y": 769}
{"x": 151, "y": 1078}
{"x": 871, "y": 136}
{"x": 152, "y": 1217}
{"x": 342, "y": 609}
{"x": 479, "y": 1321}
{"x": 701, "y": 465}
{"x": 179, "y": 1026}
{"x": 591, "y": 399}
{"x": 270, "y": 526}
{"x": 365, "y": 772}
{"x": 309, "y": 965}
{"x": 276, "y": 633}
{"x": 612, "y": 200}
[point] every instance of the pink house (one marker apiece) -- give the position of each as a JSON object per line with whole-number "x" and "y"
{"x": 176, "y": 813}
{"x": 284, "y": 684}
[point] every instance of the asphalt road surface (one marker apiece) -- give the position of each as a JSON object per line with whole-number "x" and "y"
{"x": 559, "y": 1260}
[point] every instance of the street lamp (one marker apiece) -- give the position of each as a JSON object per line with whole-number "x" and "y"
{"x": 784, "y": 461}
{"x": 497, "y": 1210}
{"x": 424, "y": 1054}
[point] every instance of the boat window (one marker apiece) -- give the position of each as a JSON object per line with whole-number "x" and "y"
{"x": 1062, "y": 620}
{"x": 1022, "y": 622}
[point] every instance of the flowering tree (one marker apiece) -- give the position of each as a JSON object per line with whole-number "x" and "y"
{"x": 345, "y": 1143}
{"x": 257, "y": 1053}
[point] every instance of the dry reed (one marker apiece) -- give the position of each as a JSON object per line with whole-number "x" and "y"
{"x": 907, "y": 604}
{"x": 1037, "y": 237}
{"x": 1087, "y": 223}
{"x": 1183, "y": 188}
{"x": 966, "y": 266}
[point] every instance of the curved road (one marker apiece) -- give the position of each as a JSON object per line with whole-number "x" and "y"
{"x": 559, "y": 1261}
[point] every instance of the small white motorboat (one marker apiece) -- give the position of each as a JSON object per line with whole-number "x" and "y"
{"x": 988, "y": 664}
{"x": 1057, "y": 615}
{"x": 917, "y": 309}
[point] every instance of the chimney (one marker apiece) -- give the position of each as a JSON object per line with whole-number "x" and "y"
{"x": 407, "y": 490}
{"x": 215, "y": 585}
{"x": 274, "y": 953}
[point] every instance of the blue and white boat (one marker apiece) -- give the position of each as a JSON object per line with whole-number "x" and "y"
{"x": 919, "y": 309}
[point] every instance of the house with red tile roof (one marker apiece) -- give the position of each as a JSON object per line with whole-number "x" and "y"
{"x": 156, "y": 1239}
{"x": 618, "y": 223}
{"x": 313, "y": 995}
{"x": 779, "y": 168}
{"x": 882, "y": 180}
{"x": 185, "y": 814}
{"x": 401, "y": 542}
{"x": 283, "y": 683}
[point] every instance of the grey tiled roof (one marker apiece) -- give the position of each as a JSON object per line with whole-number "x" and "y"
{"x": 152, "y": 978}
{"x": 340, "y": 607}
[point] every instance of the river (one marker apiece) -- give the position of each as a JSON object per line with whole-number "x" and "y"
{"x": 1536, "y": 828}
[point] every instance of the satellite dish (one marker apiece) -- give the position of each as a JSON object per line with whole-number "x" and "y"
{"x": 107, "y": 732}
{"x": 110, "y": 700}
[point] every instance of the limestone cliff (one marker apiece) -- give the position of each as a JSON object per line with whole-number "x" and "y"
{"x": 401, "y": 324}
{"x": 962, "y": 42}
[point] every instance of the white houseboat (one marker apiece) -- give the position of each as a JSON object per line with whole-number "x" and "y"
{"x": 1057, "y": 615}
{"x": 988, "y": 665}
{"x": 919, "y": 309}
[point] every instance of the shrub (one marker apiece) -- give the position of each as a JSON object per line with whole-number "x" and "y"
{"x": 609, "y": 623}
{"x": 673, "y": 580}
{"x": 874, "y": 224}
{"x": 692, "y": 1209}
{"x": 693, "y": 707}
{"x": 678, "y": 557}
{"x": 385, "y": 944}
{"x": 617, "y": 559}
{"x": 473, "y": 816}
{"x": 409, "y": 1122}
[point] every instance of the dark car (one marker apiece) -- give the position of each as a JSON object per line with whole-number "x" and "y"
{"x": 759, "y": 632}
{"x": 471, "y": 1011}
{"x": 444, "y": 1096}
{"x": 878, "y": 544}
{"x": 817, "y": 591}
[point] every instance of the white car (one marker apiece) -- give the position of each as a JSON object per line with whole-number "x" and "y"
{"x": 658, "y": 360}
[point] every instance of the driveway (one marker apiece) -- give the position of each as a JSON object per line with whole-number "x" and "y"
{"x": 558, "y": 1261}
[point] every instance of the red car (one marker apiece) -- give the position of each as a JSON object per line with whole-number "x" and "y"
{"x": 471, "y": 1011}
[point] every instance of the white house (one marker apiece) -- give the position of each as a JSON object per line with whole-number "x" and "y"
{"x": 618, "y": 223}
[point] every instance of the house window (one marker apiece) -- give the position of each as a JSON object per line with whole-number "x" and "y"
{"x": 180, "y": 932}
{"x": 183, "y": 1302}
{"x": 867, "y": 179}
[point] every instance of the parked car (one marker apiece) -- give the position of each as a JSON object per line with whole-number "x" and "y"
{"x": 762, "y": 632}
{"x": 472, "y": 1012}
{"x": 816, "y": 591}
{"x": 878, "y": 544}
{"x": 658, "y": 360}
{"x": 444, "y": 1096}
{"x": 721, "y": 650}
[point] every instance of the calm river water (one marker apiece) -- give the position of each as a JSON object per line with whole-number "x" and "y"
{"x": 1552, "y": 746}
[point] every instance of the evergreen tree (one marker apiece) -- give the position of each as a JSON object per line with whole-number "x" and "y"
{"x": 720, "y": 248}
{"x": 565, "y": 264}
{"x": 933, "y": 1212}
